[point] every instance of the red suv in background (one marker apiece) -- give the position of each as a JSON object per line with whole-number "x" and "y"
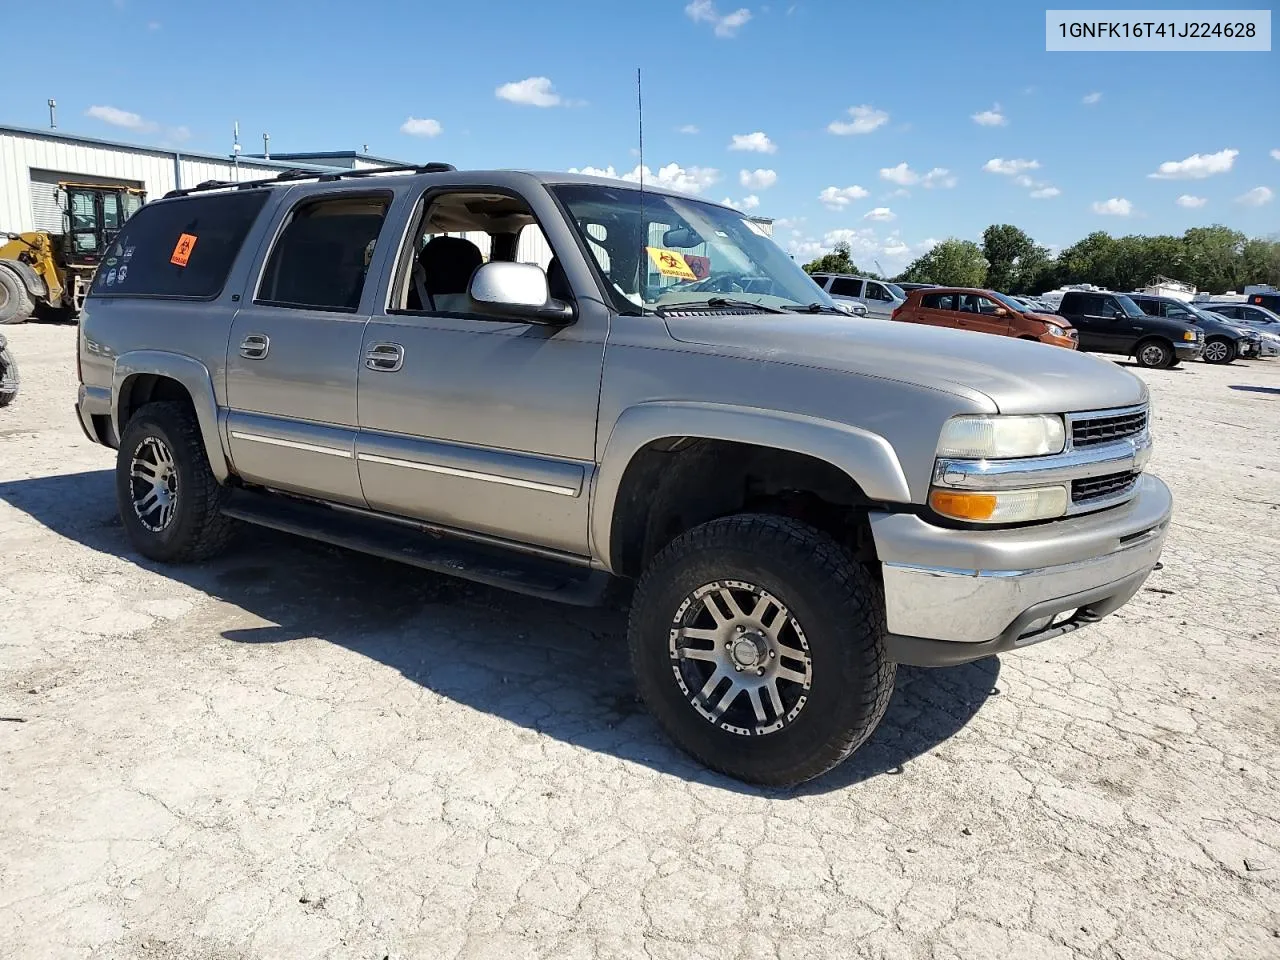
{"x": 985, "y": 311}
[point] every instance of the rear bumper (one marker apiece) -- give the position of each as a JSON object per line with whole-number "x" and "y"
{"x": 952, "y": 596}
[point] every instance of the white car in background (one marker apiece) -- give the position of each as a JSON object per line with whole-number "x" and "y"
{"x": 880, "y": 297}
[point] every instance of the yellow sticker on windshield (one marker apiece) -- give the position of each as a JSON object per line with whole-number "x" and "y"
{"x": 670, "y": 263}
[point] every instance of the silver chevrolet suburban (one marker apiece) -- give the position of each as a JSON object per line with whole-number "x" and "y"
{"x": 521, "y": 379}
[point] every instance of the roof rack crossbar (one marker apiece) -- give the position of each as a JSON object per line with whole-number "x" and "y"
{"x": 297, "y": 173}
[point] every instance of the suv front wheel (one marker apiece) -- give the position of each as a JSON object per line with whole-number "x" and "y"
{"x": 169, "y": 500}
{"x": 1219, "y": 350}
{"x": 757, "y": 643}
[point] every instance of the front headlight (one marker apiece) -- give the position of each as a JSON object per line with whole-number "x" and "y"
{"x": 1055, "y": 330}
{"x": 1001, "y": 438}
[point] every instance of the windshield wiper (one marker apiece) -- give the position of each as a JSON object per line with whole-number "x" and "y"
{"x": 816, "y": 307}
{"x": 716, "y": 303}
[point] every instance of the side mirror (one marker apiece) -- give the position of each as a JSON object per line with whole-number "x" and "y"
{"x": 519, "y": 291}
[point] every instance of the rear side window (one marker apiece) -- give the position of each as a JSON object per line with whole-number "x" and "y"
{"x": 877, "y": 292}
{"x": 181, "y": 249}
{"x": 322, "y": 255}
{"x": 844, "y": 287}
{"x": 939, "y": 301}
{"x": 1150, "y": 307}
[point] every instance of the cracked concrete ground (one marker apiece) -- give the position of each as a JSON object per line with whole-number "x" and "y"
{"x": 298, "y": 752}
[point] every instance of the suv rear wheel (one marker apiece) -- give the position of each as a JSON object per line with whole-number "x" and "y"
{"x": 169, "y": 500}
{"x": 1219, "y": 350}
{"x": 757, "y": 643}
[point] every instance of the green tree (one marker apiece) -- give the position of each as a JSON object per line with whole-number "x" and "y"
{"x": 1013, "y": 258}
{"x": 839, "y": 260}
{"x": 953, "y": 263}
{"x": 1261, "y": 262}
{"x": 1215, "y": 258}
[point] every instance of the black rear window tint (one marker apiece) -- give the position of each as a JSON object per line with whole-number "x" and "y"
{"x": 182, "y": 249}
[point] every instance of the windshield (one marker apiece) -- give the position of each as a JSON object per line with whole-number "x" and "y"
{"x": 1011, "y": 303}
{"x": 1130, "y": 308}
{"x": 896, "y": 290}
{"x": 655, "y": 250}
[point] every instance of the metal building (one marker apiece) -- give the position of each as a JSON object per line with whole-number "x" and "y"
{"x": 34, "y": 162}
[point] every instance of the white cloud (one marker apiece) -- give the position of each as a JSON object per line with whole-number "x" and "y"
{"x": 1197, "y": 166}
{"x": 1256, "y": 197}
{"x": 757, "y": 179}
{"x": 673, "y": 176}
{"x": 901, "y": 174}
{"x": 805, "y": 249}
{"x": 1275, "y": 154}
{"x": 1009, "y": 168}
{"x": 990, "y": 118}
{"x": 881, "y": 214}
{"x": 421, "y": 127}
{"x": 121, "y": 118}
{"x": 837, "y": 198}
{"x": 531, "y": 92}
{"x": 726, "y": 25}
{"x": 865, "y": 119}
{"x": 1190, "y": 202}
{"x": 895, "y": 248}
{"x": 861, "y": 242}
{"x": 756, "y": 142}
{"x": 938, "y": 177}
{"x": 687, "y": 128}
{"x": 1044, "y": 192}
{"x": 1115, "y": 207}
{"x": 1091, "y": 98}
{"x": 900, "y": 192}
{"x": 749, "y": 202}
{"x": 1023, "y": 180}
{"x": 787, "y": 223}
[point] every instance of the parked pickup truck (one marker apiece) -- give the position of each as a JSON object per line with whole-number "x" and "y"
{"x": 802, "y": 500}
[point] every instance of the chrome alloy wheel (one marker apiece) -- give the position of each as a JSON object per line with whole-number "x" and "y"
{"x": 153, "y": 484}
{"x": 740, "y": 657}
{"x": 1215, "y": 351}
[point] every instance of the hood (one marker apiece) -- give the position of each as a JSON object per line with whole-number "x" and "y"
{"x": 1018, "y": 376}
{"x": 1053, "y": 318}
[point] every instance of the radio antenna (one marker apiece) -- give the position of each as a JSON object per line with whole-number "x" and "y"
{"x": 642, "y": 264}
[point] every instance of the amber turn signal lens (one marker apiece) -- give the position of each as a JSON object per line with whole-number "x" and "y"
{"x": 963, "y": 505}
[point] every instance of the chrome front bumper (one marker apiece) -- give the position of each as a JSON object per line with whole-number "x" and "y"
{"x": 957, "y": 595}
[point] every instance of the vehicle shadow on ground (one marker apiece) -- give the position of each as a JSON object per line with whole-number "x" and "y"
{"x": 481, "y": 647}
{"x": 1180, "y": 368}
{"x": 1274, "y": 391}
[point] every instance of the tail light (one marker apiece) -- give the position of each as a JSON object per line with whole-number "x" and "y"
{"x": 896, "y": 311}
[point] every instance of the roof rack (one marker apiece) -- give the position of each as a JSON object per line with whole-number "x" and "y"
{"x": 298, "y": 173}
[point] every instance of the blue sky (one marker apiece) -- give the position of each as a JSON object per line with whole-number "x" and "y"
{"x": 945, "y": 116}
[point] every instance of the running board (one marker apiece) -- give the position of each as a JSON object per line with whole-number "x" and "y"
{"x": 440, "y": 553}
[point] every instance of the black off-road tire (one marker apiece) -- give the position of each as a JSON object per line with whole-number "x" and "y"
{"x": 1224, "y": 353}
{"x": 15, "y": 300}
{"x": 9, "y": 379}
{"x": 198, "y": 529}
{"x": 841, "y": 607}
{"x": 1155, "y": 354}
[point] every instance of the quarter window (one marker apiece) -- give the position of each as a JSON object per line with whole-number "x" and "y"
{"x": 151, "y": 258}
{"x": 939, "y": 301}
{"x": 322, "y": 256}
{"x": 877, "y": 292}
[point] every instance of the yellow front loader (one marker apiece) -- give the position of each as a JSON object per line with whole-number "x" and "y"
{"x": 51, "y": 273}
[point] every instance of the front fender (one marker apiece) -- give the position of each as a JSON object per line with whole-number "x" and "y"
{"x": 868, "y": 458}
{"x": 194, "y": 376}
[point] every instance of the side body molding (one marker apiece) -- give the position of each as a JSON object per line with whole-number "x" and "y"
{"x": 868, "y": 458}
{"x": 193, "y": 375}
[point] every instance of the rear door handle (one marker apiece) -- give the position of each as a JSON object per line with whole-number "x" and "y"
{"x": 384, "y": 357}
{"x": 255, "y": 346}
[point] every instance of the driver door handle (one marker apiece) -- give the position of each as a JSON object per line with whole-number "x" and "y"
{"x": 384, "y": 357}
{"x": 255, "y": 346}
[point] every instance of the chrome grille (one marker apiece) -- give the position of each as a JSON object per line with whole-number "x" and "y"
{"x": 1088, "y": 431}
{"x": 1102, "y": 488}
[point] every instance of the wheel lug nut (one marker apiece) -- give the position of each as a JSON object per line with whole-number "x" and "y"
{"x": 760, "y": 672}
{"x": 739, "y": 669}
{"x": 728, "y": 646}
{"x": 772, "y": 654}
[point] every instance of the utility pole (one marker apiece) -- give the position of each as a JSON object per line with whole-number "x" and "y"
{"x": 53, "y": 114}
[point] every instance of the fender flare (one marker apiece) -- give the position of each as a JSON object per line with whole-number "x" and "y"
{"x": 867, "y": 458}
{"x": 30, "y": 279}
{"x": 194, "y": 376}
